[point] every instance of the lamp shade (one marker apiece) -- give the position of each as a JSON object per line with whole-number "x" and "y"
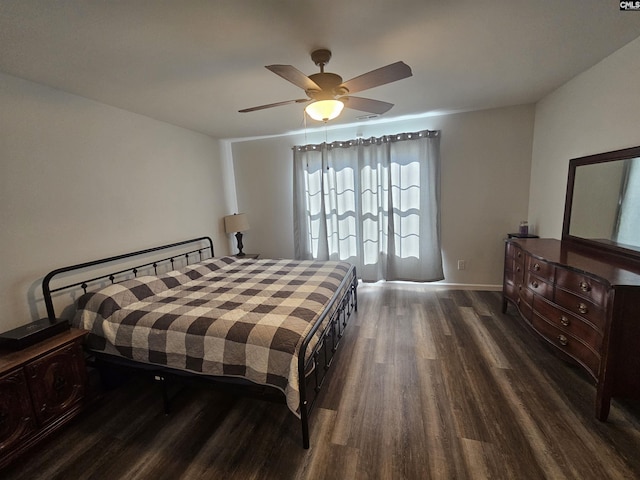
{"x": 236, "y": 223}
{"x": 324, "y": 110}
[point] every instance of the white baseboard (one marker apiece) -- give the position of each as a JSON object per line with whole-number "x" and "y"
{"x": 439, "y": 285}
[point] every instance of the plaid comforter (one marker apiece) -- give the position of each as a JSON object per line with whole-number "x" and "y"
{"x": 224, "y": 316}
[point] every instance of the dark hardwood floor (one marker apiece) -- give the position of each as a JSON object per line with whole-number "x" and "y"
{"x": 429, "y": 384}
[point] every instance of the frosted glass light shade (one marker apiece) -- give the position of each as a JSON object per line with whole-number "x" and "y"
{"x": 324, "y": 110}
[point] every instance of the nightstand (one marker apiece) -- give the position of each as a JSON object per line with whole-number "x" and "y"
{"x": 249, "y": 255}
{"x": 42, "y": 387}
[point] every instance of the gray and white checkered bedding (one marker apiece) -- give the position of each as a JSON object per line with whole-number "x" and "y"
{"x": 223, "y": 316}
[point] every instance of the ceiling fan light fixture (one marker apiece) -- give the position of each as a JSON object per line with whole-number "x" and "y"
{"x": 324, "y": 110}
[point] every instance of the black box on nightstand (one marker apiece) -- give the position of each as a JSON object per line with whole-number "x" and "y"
{"x": 32, "y": 333}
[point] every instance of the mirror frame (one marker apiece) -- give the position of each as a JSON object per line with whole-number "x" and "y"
{"x": 611, "y": 247}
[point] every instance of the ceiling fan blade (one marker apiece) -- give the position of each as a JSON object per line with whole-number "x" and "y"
{"x": 294, "y": 76}
{"x": 277, "y": 104}
{"x": 390, "y": 73}
{"x": 366, "y": 104}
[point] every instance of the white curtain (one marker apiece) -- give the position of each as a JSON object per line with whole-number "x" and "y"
{"x": 373, "y": 203}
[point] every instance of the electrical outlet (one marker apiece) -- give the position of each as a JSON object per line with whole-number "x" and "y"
{"x": 462, "y": 264}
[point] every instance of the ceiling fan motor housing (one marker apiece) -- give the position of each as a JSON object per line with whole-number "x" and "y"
{"x": 329, "y": 84}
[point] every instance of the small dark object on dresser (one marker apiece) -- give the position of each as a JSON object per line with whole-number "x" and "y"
{"x": 32, "y": 333}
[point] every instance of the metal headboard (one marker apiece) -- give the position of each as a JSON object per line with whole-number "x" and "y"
{"x": 47, "y": 291}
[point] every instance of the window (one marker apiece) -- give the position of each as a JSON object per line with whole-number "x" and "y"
{"x": 373, "y": 203}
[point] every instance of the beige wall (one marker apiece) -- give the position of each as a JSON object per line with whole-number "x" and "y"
{"x": 80, "y": 180}
{"x": 597, "y": 111}
{"x": 486, "y": 159}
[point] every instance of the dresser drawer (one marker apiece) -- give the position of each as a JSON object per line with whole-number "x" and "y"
{"x": 510, "y": 290}
{"x": 57, "y": 381}
{"x": 17, "y": 421}
{"x": 508, "y": 277}
{"x": 508, "y": 265}
{"x": 518, "y": 273}
{"x": 539, "y": 285}
{"x": 581, "y": 307}
{"x": 583, "y": 286}
{"x": 513, "y": 272}
{"x": 568, "y": 322}
{"x": 525, "y": 307}
{"x": 513, "y": 251}
{"x": 515, "y": 259}
{"x": 541, "y": 268}
{"x": 568, "y": 344}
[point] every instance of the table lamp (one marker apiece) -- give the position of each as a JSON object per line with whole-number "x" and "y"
{"x": 237, "y": 223}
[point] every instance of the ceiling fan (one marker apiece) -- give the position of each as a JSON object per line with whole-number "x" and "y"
{"x": 329, "y": 94}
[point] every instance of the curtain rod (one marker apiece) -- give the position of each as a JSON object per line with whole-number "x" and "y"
{"x": 398, "y": 137}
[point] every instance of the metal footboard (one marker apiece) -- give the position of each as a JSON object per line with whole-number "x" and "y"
{"x": 321, "y": 357}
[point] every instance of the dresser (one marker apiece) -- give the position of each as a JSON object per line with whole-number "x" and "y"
{"x": 585, "y": 304}
{"x": 41, "y": 388}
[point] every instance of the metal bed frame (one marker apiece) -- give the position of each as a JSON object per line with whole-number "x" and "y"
{"x": 311, "y": 372}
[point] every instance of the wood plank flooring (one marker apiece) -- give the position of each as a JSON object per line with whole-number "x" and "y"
{"x": 430, "y": 384}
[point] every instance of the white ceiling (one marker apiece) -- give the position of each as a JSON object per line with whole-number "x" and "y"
{"x": 196, "y": 63}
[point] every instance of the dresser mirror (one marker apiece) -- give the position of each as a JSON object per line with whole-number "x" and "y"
{"x": 602, "y": 207}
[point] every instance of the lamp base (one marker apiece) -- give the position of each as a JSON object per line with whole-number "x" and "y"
{"x": 240, "y": 246}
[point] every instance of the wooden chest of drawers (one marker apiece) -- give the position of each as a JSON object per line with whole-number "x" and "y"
{"x": 585, "y": 305}
{"x": 41, "y": 388}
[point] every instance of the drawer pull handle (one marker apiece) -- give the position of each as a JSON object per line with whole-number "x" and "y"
{"x": 59, "y": 383}
{"x": 564, "y": 321}
{"x": 517, "y": 269}
{"x": 519, "y": 254}
{"x": 536, "y": 266}
{"x": 534, "y": 284}
{"x": 582, "y": 308}
{"x": 564, "y": 341}
{"x": 585, "y": 287}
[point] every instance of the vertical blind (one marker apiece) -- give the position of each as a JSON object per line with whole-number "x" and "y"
{"x": 372, "y": 202}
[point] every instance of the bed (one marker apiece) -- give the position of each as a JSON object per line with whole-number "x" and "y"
{"x": 268, "y": 325}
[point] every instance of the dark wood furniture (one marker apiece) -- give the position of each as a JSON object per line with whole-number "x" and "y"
{"x": 581, "y": 294}
{"x": 253, "y": 256}
{"x": 41, "y": 388}
{"x": 584, "y": 304}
